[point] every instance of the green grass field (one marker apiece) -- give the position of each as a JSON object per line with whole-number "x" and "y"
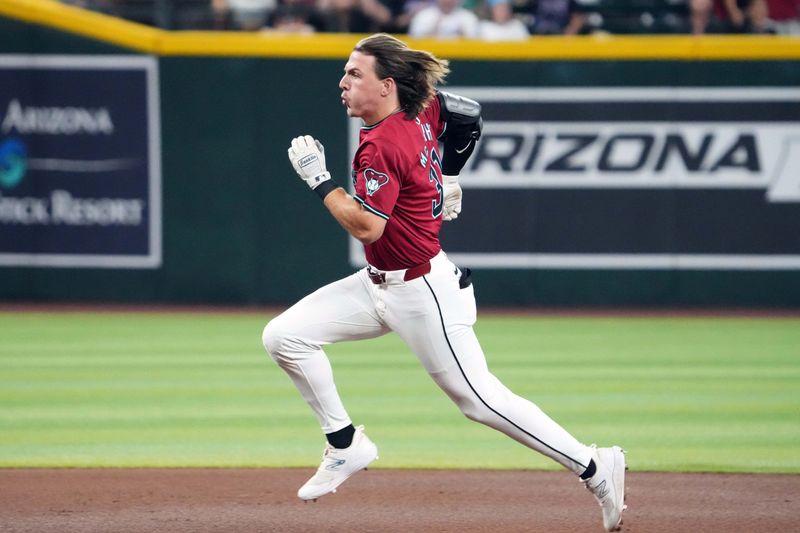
{"x": 183, "y": 389}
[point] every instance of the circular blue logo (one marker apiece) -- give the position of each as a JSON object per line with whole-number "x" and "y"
{"x": 13, "y": 163}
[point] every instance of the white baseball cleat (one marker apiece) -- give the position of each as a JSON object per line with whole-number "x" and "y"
{"x": 338, "y": 465}
{"x": 608, "y": 484}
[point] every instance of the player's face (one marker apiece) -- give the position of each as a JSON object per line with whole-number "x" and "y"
{"x": 361, "y": 88}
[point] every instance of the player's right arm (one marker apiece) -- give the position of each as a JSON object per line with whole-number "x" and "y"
{"x": 307, "y": 156}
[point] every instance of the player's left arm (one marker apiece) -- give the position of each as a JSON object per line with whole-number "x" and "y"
{"x": 308, "y": 159}
{"x": 462, "y": 129}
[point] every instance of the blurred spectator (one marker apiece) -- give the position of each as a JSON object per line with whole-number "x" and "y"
{"x": 700, "y": 14}
{"x": 783, "y": 17}
{"x": 554, "y": 17}
{"x": 344, "y": 16}
{"x": 393, "y": 16}
{"x": 743, "y": 16}
{"x": 758, "y": 17}
{"x": 728, "y": 16}
{"x": 502, "y": 26}
{"x": 296, "y": 16}
{"x": 446, "y": 19}
{"x": 463, "y": 18}
{"x": 360, "y": 16}
{"x": 354, "y": 16}
{"x": 167, "y": 14}
{"x": 247, "y": 15}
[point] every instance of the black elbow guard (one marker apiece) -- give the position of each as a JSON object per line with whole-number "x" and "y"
{"x": 462, "y": 118}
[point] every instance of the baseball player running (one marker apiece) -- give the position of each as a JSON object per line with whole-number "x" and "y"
{"x": 413, "y": 144}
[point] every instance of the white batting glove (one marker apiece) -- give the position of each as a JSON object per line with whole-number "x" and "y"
{"x": 308, "y": 159}
{"x": 452, "y": 197}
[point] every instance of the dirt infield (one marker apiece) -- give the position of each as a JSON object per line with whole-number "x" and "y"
{"x": 256, "y": 500}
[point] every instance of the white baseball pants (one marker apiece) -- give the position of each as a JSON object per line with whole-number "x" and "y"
{"x": 435, "y": 318}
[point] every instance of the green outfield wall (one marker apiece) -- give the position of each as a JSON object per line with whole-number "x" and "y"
{"x": 150, "y": 166}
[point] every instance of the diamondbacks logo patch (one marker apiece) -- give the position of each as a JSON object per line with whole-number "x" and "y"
{"x": 374, "y": 180}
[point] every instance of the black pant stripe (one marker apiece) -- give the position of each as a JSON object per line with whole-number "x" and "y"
{"x": 492, "y": 409}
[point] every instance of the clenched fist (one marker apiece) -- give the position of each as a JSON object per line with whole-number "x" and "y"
{"x": 308, "y": 159}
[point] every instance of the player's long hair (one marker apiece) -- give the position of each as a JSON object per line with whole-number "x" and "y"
{"x": 415, "y": 72}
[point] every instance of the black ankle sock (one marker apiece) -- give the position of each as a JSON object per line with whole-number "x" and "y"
{"x": 590, "y": 470}
{"x": 343, "y": 438}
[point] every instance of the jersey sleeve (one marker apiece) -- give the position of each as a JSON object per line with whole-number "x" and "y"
{"x": 377, "y": 178}
{"x": 433, "y": 113}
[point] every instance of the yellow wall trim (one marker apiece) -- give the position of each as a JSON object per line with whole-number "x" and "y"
{"x": 149, "y": 40}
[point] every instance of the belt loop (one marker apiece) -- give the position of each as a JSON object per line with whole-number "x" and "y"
{"x": 376, "y": 277}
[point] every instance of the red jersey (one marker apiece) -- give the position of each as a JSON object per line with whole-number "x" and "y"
{"x": 783, "y": 10}
{"x": 397, "y": 175}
